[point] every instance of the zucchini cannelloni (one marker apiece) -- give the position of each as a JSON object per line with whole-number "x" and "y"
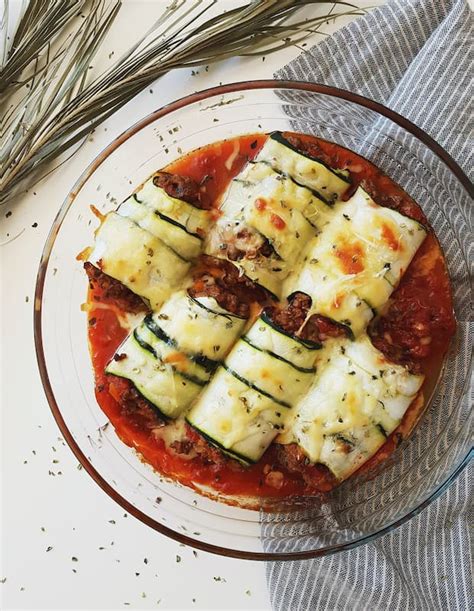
{"x": 171, "y": 355}
{"x": 277, "y": 310}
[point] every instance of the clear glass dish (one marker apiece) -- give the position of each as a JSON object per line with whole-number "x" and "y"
{"x": 360, "y": 509}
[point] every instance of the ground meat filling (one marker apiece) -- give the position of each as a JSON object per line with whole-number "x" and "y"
{"x": 236, "y": 241}
{"x": 404, "y": 333}
{"x": 234, "y": 253}
{"x": 320, "y": 328}
{"x": 181, "y": 187}
{"x": 380, "y": 191}
{"x": 294, "y": 460}
{"x": 311, "y": 149}
{"x": 206, "y": 453}
{"x": 113, "y": 291}
{"x": 293, "y": 316}
{"x": 132, "y": 403}
{"x": 293, "y": 320}
{"x": 220, "y": 279}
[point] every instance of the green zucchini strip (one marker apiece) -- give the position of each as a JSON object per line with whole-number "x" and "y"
{"x": 180, "y": 225}
{"x": 356, "y": 400}
{"x": 153, "y": 377}
{"x": 327, "y": 182}
{"x": 172, "y": 354}
{"x": 282, "y": 198}
{"x": 351, "y": 269}
{"x": 138, "y": 259}
{"x": 247, "y": 402}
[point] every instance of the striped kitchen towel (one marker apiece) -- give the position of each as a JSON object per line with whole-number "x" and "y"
{"x": 415, "y": 57}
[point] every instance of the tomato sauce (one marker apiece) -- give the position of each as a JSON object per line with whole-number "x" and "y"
{"x": 415, "y": 330}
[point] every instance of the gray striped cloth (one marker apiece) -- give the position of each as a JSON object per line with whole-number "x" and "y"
{"x": 414, "y": 56}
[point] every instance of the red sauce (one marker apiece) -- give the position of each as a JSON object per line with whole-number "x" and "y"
{"x": 208, "y": 166}
{"x": 415, "y": 331}
{"x": 277, "y": 222}
{"x": 390, "y": 238}
{"x": 351, "y": 258}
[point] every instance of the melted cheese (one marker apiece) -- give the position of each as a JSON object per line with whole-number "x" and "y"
{"x": 355, "y": 401}
{"x": 160, "y": 352}
{"x": 261, "y": 181}
{"x": 267, "y": 337}
{"x": 155, "y": 379}
{"x": 172, "y": 355}
{"x": 156, "y": 199}
{"x": 175, "y": 236}
{"x": 329, "y": 184}
{"x": 279, "y": 197}
{"x": 355, "y": 263}
{"x": 236, "y": 417}
{"x": 368, "y": 245}
{"x": 139, "y": 260}
{"x": 286, "y": 229}
{"x": 267, "y": 372}
{"x": 331, "y": 295}
{"x": 248, "y": 401}
{"x": 204, "y": 329}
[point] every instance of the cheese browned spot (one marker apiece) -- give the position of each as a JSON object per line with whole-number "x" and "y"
{"x": 351, "y": 256}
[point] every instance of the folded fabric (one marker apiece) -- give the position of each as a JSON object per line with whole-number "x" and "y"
{"x": 415, "y": 57}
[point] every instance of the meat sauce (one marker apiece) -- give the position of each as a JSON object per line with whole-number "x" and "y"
{"x": 415, "y": 331}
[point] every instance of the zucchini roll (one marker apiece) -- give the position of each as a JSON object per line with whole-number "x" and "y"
{"x": 180, "y": 223}
{"x": 259, "y": 181}
{"x": 172, "y": 354}
{"x": 247, "y": 403}
{"x": 272, "y": 209}
{"x": 138, "y": 259}
{"x": 351, "y": 269}
{"x": 356, "y": 400}
{"x": 327, "y": 183}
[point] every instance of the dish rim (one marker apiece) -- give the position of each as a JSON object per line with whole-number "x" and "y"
{"x": 382, "y": 110}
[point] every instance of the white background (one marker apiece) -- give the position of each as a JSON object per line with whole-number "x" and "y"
{"x": 47, "y": 502}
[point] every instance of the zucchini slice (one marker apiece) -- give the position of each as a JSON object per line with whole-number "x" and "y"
{"x": 265, "y": 205}
{"x": 236, "y": 418}
{"x": 327, "y": 182}
{"x": 154, "y": 378}
{"x": 138, "y": 259}
{"x": 171, "y": 355}
{"x": 356, "y": 400}
{"x": 259, "y": 181}
{"x": 331, "y": 296}
{"x": 168, "y": 353}
{"x": 350, "y": 269}
{"x": 194, "y": 220}
{"x": 248, "y": 401}
{"x": 285, "y": 228}
{"x": 283, "y": 186}
{"x": 199, "y": 326}
{"x": 387, "y": 240}
{"x": 268, "y": 372}
{"x": 268, "y": 337}
{"x": 186, "y": 244}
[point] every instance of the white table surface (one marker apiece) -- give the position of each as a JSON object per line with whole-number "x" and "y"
{"x": 52, "y": 512}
